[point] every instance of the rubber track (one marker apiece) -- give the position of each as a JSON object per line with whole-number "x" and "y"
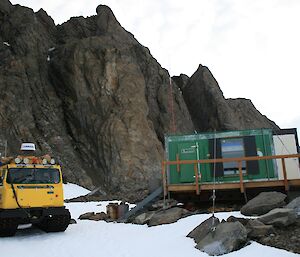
{"x": 56, "y": 223}
{"x": 8, "y": 227}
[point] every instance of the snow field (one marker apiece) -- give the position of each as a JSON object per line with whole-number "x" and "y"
{"x": 98, "y": 238}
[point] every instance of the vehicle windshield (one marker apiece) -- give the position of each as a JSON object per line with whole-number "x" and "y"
{"x": 32, "y": 176}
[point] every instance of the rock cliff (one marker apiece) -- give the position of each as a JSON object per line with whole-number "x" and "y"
{"x": 88, "y": 93}
{"x": 210, "y": 110}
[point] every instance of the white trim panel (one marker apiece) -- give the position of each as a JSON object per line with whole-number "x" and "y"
{"x": 286, "y": 144}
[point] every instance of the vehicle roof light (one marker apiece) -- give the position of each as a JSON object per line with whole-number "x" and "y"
{"x": 44, "y": 161}
{"x": 52, "y": 161}
{"x": 26, "y": 160}
{"x": 27, "y": 147}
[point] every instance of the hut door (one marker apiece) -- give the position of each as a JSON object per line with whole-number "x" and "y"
{"x": 250, "y": 149}
{"x": 187, "y": 151}
{"x": 219, "y": 172}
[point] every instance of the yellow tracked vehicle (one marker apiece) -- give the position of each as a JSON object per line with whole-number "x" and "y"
{"x": 31, "y": 191}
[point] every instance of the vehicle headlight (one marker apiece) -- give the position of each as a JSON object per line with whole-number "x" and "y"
{"x": 18, "y": 160}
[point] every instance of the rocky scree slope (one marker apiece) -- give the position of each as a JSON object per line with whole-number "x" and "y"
{"x": 88, "y": 93}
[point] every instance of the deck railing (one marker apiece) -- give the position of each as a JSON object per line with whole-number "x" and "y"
{"x": 238, "y": 160}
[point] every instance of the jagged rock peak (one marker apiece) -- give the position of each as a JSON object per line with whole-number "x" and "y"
{"x": 106, "y": 19}
{"x": 210, "y": 110}
{"x": 5, "y": 6}
{"x": 208, "y": 80}
{"x": 46, "y": 20}
{"x": 104, "y": 10}
{"x": 181, "y": 80}
{"x": 105, "y": 16}
{"x": 102, "y": 24}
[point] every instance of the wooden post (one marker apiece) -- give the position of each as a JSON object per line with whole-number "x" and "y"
{"x": 177, "y": 165}
{"x": 286, "y": 185}
{"x": 241, "y": 177}
{"x": 163, "y": 167}
{"x": 196, "y": 178}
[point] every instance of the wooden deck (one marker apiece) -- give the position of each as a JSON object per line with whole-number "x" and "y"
{"x": 232, "y": 185}
{"x": 241, "y": 184}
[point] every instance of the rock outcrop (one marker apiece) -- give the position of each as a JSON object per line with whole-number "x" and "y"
{"x": 181, "y": 80}
{"x": 30, "y": 109}
{"x": 227, "y": 237}
{"x": 210, "y": 110}
{"x": 93, "y": 216}
{"x": 167, "y": 216}
{"x": 257, "y": 229}
{"x": 87, "y": 92}
{"x": 202, "y": 230}
{"x": 295, "y": 205}
{"x": 279, "y": 217}
{"x": 263, "y": 203}
{"x": 221, "y": 238}
{"x": 90, "y": 95}
{"x": 143, "y": 218}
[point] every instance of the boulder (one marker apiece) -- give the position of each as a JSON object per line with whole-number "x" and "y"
{"x": 143, "y": 218}
{"x": 279, "y": 217}
{"x": 98, "y": 216}
{"x": 199, "y": 232}
{"x": 261, "y": 231}
{"x": 252, "y": 223}
{"x": 227, "y": 237}
{"x": 257, "y": 229}
{"x": 167, "y": 216}
{"x": 86, "y": 215}
{"x": 295, "y": 204}
{"x": 263, "y": 203}
{"x": 164, "y": 203}
{"x": 93, "y": 216}
{"x": 234, "y": 219}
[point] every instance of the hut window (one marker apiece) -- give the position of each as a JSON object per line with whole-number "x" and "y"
{"x": 232, "y": 148}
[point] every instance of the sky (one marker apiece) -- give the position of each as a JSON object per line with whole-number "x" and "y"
{"x": 252, "y": 47}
